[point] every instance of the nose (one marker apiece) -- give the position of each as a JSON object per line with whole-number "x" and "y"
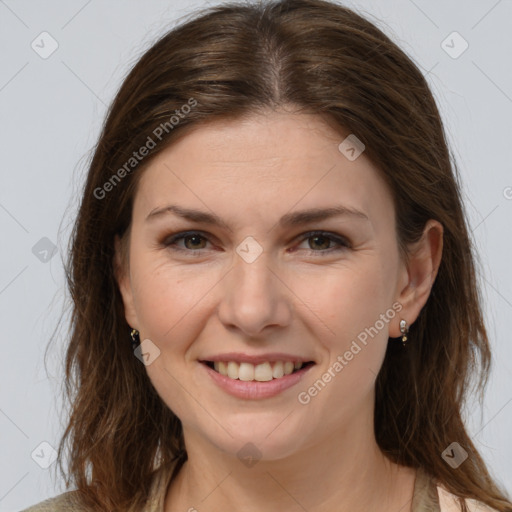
{"x": 254, "y": 298}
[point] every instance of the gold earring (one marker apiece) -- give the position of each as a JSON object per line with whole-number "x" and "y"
{"x": 135, "y": 338}
{"x": 404, "y": 330}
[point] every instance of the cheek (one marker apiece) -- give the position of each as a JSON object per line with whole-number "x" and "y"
{"x": 345, "y": 300}
{"x": 170, "y": 299}
{"x": 170, "y": 303}
{"x": 352, "y": 311}
{"x": 354, "y": 340}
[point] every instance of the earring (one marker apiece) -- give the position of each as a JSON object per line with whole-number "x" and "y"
{"x": 135, "y": 338}
{"x": 404, "y": 330}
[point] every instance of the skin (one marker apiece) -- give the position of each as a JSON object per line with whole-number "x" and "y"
{"x": 321, "y": 456}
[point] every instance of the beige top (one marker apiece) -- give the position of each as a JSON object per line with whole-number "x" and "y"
{"x": 427, "y": 497}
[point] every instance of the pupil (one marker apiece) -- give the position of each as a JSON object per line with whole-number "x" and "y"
{"x": 321, "y": 237}
{"x": 193, "y": 237}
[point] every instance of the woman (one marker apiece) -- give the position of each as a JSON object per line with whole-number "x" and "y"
{"x": 275, "y": 304}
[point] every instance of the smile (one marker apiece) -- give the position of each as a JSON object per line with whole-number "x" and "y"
{"x": 263, "y": 372}
{"x": 261, "y": 380}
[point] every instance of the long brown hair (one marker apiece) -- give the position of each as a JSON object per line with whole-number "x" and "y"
{"x": 231, "y": 61}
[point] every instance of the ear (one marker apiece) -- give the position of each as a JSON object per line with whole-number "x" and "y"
{"x": 418, "y": 275}
{"x": 122, "y": 276}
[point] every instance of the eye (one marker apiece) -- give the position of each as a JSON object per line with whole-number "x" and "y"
{"x": 322, "y": 239}
{"x": 194, "y": 242}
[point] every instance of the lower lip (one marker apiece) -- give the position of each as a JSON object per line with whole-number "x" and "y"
{"x": 254, "y": 390}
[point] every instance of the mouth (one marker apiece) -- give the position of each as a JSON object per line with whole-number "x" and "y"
{"x": 263, "y": 372}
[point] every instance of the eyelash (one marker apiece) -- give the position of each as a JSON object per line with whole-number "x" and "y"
{"x": 341, "y": 241}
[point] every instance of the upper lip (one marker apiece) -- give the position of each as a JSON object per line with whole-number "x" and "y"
{"x": 256, "y": 358}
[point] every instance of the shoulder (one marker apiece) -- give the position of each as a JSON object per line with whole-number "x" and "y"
{"x": 70, "y": 501}
{"x": 448, "y": 502}
{"x": 61, "y": 503}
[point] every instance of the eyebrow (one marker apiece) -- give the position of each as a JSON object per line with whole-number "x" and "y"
{"x": 287, "y": 220}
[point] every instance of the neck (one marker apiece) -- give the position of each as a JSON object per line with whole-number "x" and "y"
{"x": 345, "y": 472}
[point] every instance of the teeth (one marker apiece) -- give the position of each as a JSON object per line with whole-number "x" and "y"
{"x": 246, "y": 371}
{"x": 232, "y": 370}
{"x": 278, "y": 370}
{"x": 261, "y": 372}
{"x": 288, "y": 367}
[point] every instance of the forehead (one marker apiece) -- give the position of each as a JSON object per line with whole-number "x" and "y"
{"x": 273, "y": 159}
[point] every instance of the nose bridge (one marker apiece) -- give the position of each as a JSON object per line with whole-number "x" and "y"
{"x": 253, "y": 278}
{"x": 253, "y": 297}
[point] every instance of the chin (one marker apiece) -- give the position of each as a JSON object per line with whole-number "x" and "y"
{"x": 274, "y": 437}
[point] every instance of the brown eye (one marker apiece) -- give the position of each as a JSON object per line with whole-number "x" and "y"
{"x": 320, "y": 242}
{"x": 193, "y": 241}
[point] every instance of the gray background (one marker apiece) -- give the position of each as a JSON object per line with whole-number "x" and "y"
{"x": 51, "y": 112}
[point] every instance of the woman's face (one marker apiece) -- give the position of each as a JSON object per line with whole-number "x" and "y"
{"x": 257, "y": 290}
